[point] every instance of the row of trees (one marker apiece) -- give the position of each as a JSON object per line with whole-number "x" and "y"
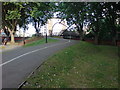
{"x": 99, "y": 16}
{"x": 23, "y": 13}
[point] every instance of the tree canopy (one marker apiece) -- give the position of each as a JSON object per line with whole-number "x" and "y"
{"x": 102, "y": 18}
{"x": 22, "y": 13}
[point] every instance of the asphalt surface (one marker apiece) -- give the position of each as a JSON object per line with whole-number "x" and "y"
{"x": 17, "y": 64}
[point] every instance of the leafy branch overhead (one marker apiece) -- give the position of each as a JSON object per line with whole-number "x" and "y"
{"x": 23, "y": 13}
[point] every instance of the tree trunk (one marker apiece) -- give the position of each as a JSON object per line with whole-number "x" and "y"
{"x": 12, "y": 38}
{"x": 114, "y": 34}
{"x": 81, "y": 36}
{"x": 114, "y": 41}
{"x": 11, "y": 35}
{"x": 97, "y": 32}
{"x": 96, "y": 40}
{"x": 113, "y": 27}
{"x": 80, "y": 30}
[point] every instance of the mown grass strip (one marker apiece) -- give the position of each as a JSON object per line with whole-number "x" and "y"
{"x": 83, "y": 65}
{"x": 38, "y": 42}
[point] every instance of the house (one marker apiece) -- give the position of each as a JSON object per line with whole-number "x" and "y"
{"x": 70, "y": 34}
{"x": 53, "y": 27}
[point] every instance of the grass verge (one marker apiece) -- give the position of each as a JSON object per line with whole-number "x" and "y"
{"x": 38, "y": 42}
{"x": 2, "y": 47}
{"x": 83, "y": 65}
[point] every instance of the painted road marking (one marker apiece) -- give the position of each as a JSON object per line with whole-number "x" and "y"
{"x": 29, "y": 53}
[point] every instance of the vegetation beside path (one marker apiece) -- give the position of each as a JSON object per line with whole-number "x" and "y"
{"x": 40, "y": 41}
{"x": 83, "y": 65}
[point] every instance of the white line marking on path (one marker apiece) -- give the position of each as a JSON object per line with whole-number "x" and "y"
{"x": 29, "y": 53}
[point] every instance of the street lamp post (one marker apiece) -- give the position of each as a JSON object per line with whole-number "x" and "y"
{"x": 24, "y": 37}
{"x": 46, "y": 37}
{"x": 46, "y": 34}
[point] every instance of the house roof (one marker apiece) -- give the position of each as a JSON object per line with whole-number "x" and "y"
{"x": 72, "y": 33}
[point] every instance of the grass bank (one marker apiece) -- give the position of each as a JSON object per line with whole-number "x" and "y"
{"x": 40, "y": 41}
{"x": 83, "y": 65}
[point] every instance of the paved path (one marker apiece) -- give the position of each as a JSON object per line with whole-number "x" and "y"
{"x": 19, "y": 63}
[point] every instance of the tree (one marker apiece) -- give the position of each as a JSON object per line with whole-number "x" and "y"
{"x": 10, "y": 17}
{"x": 39, "y": 14}
{"x": 74, "y": 13}
{"x": 95, "y": 14}
{"x": 111, "y": 13}
{"x": 102, "y": 17}
{"x": 20, "y": 13}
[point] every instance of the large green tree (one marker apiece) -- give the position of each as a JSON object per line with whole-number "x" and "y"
{"x": 22, "y": 13}
{"x": 112, "y": 11}
{"x": 95, "y": 14}
{"x": 39, "y": 14}
{"x": 102, "y": 17}
{"x": 10, "y": 17}
{"x": 74, "y": 13}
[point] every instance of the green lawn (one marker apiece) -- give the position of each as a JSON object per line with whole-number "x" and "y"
{"x": 41, "y": 41}
{"x": 83, "y": 65}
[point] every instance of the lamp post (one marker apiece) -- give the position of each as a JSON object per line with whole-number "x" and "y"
{"x": 46, "y": 37}
{"x": 46, "y": 34}
{"x": 24, "y": 35}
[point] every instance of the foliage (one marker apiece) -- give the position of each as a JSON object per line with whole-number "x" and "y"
{"x": 74, "y": 13}
{"x": 11, "y": 16}
{"x": 22, "y": 13}
{"x": 100, "y": 17}
{"x": 39, "y": 14}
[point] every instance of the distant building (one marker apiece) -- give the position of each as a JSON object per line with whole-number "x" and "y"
{"x": 70, "y": 34}
{"x": 53, "y": 27}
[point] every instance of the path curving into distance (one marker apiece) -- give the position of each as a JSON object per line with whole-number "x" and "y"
{"x": 19, "y": 63}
